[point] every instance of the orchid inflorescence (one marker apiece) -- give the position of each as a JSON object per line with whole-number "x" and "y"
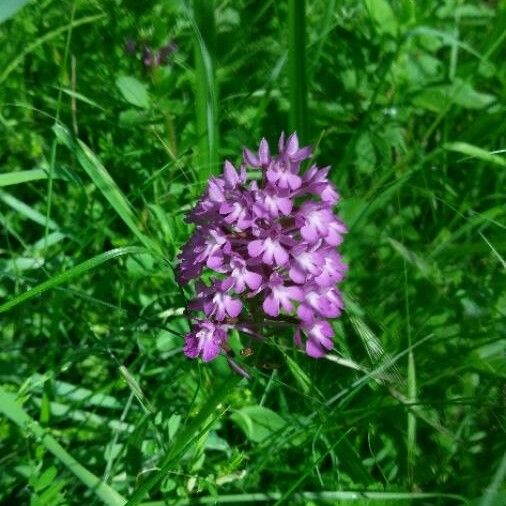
{"x": 268, "y": 250}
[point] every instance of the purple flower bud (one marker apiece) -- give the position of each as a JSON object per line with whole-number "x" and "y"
{"x": 269, "y": 248}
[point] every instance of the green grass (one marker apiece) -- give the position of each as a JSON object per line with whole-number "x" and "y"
{"x": 100, "y": 159}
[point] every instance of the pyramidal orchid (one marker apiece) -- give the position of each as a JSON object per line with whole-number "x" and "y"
{"x": 267, "y": 246}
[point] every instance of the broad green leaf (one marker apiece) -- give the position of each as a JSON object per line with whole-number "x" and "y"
{"x": 45, "y": 479}
{"x": 72, "y": 273}
{"x": 10, "y": 408}
{"x": 383, "y": 16}
{"x": 133, "y": 91}
{"x": 366, "y": 155}
{"x": 9, "y": 7}
{"x": 202, "y": 23}
{"x": 258, "y": 422}
{"x": 297, "y": 68}
{"x": 436, "y": 98}
{"x": 475, "y": 152}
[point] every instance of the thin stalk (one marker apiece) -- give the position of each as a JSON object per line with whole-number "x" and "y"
{"x": 297, "y": 68}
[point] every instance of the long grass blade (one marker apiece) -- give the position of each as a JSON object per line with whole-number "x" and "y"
{"x": 475, "y": 152}
{"x": 72, "y": 273}
{"x": 206, "y": 94}
{"x": 23, "y": 176}
{"x": 297, "y": 67}
{"x": 27, "y": 211}
{"x": 325, "y": 496}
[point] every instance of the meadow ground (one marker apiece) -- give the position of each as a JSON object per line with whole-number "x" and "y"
{"x": 113, "y": 115}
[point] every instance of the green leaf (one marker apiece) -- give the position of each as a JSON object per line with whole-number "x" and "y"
{"x": 383, "y": 16}
{"x": 475, "y": 152}
{"x": 258, "y": 422}
{"x": 366, "y": 155}
{"x": 9, "y": 7}
{"x": 436, "y": 98}
{"x": 10, "y": 408}
{"x": 133, "y": 91}
{"x": 18, "y": 264}
{"x": 27, "y": 211}
{"x": 66, "y": 276}
{"x": 45, "y": 479}
{"x": 23, "y": 176}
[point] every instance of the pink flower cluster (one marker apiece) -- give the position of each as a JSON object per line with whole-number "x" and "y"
{"x": 267, "y": 245}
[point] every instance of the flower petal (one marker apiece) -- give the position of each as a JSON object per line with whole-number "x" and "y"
{"x": 233, "y": 307}
{"x": 252, "y": 279}
{"x": 271, "y": 305}
{"x": 255, "y": 248}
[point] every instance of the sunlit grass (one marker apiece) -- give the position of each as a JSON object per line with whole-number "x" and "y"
{"x": 102, "y": 155}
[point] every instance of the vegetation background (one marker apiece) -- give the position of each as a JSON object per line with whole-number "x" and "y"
{"x": 102, "y": 150}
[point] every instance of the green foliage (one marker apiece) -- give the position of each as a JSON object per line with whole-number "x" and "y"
{"x": 100, "y": 158}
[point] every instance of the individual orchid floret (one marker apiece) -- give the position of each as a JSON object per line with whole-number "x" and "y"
{"x": 243, "y": 277}
{"x": 280, "y": 296}
{"x": 205, "y": 340}
{"x": 307, "y": 262}
{"x": 272, "y": 246}
{"x": 262, "y": 159}
{"x": 316, "y": 182}
{"x": 264, "y": 251}
{"x": 319, "y": 335}
{"x": 216, "y": 302}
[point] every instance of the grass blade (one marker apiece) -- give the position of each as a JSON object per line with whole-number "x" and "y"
{"x": 104, "y": 182}
{"x": 75, "y": 271}
{"x": 22, "y": 176}
{"x": 411, "y": 419}
{"x": 305, "y": 497}
{"x": 297, "y": 68}
{"x": 475, "y": 152}
{"x": 27, "y": 211}
{"x": 206, "y": 95}
{"x": 12, "y": 410}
